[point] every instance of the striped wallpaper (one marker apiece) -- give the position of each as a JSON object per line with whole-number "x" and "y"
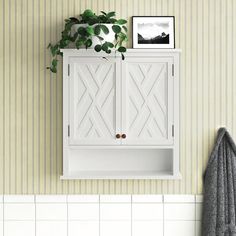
{"x": 31, "y": 97}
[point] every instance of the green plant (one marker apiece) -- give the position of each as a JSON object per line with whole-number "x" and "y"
{"x": 95, "y": 26}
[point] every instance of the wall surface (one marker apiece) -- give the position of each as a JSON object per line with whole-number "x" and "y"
{"x": 31, "y": 97}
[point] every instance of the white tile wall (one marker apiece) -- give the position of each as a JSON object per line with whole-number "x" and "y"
{"x": 115, "y": 211}
{"x": 19, "y": 211}
{"x": 83, "y": 211}
{"x": 115, "y": 228}
{"x": 150, "y": 228}
{"x": 19, "y": 228}
{"x": 147, "y": 211}
{"x": 100, "y": 215}
{"x": 51, "y": 211}
{"x": 179, "y": 228}
{"x": 84, "y": 228}
{"x": 51, "y": 228}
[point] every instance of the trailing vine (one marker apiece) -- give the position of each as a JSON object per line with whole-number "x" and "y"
{"x": 82, "y": 38}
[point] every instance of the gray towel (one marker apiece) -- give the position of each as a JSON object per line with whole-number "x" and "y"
{"x": 219, "y": 209}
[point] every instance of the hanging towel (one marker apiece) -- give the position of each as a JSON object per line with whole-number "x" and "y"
{"x": 220, "y": 188}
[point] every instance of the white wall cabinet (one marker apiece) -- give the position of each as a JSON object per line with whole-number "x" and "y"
{"x": 121, "y": 117}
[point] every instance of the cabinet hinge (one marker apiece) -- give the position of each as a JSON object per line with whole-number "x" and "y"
{"x": 68, "y": 69}
{"x": 173, "y": 70}
{"x": 173, "y": 130}
{"x": 68, "y": 131}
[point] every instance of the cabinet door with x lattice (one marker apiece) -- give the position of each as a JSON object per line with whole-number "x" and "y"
{"x": 147, "y": 101}
{"x": 94, "y": 108}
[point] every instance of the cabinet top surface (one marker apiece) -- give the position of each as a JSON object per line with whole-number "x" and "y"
{"x": 129, "y": 50}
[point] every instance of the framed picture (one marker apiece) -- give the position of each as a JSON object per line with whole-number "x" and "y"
{"x": 153, "y": 32}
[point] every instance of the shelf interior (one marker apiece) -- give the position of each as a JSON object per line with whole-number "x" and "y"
{"x": 118, "y": 163}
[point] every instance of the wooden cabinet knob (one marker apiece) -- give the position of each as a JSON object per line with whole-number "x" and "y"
{"x": 118, "y": 136}
{"x": 123, "y": 135}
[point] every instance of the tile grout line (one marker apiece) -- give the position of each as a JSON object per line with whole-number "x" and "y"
{"x": 35, "y": 223}
{"x": 99, "y": 215}
{"x": 163, "y": 215}
{"x": 3, "y": 215}
{"x": 131, "y": 215}
{"x": 195, "y": 216}
{"x": 67, "y": 216}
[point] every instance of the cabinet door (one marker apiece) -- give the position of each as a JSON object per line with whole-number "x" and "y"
{"x": 93, "y": 101}
{"x": 147, "y": 101}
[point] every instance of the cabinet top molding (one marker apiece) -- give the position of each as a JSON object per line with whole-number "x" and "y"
{"x": 91, "y": 52}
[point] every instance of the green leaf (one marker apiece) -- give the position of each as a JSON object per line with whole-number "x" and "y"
{"x": 88, "y": 13}
{"x": 100, "y": 38}
{"x": 108, "y": 51}
{"x": 90, "y": 30}
{"x": 80, "y": 42}
{"x": 110, "y": 45}
{"x": 97, "y": 30}
{"x": 98, "y": 48}
{"x": 103, "y": 12}
{"x": 102, "y": 19}
{"x": 104, "y": 47}
{"x": 54, "y": 62}
{"x": 104, "y": 29}
{"x": 88, "y": 43}
{"x": 81, "y": 31}
{"x": 54, "y": 50}
{"x": 121, "y": 49}
{"x": 116, "y": 28}
{"x": 73, "y": 19}
{"x": 122, "y": 37}
{"x": 111, "y": 14}
{"x": 53, "y": 69}
{"x": 112, "y": 20}
{"x": 74, "y": 37}
{"x": 121, "y": 22}
{"x": 122, "y": 56}
{"x": 125, "y": 28}
{"x": 68, "y": 26}
{"x": 93, "y": 20}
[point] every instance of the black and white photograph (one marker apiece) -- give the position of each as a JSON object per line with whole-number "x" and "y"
{"x": 153, "y": 32}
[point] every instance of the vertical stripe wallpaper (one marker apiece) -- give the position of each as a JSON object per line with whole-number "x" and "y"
{"x": 31, "y": 97}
